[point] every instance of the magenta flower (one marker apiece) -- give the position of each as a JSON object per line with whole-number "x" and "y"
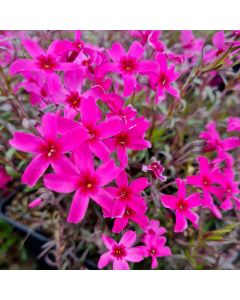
{"x": 48, "y": 149}
{"x": 206, "y": 180}
{"x": 98, "y": 131}
{"x": 120, "y": 253}
{"x": 70, "y": 50}
{"x": 44, "y": 61}
{"x": 128, "y": 64}
{"x": 182, "y": 206}
{"x": 127, "y": 195}
{"x": 214, "y": 141}
{"x": 154, "y": 248}
{"x": 154, "y": 229}
{"x": 163, "y": 80}
{"x": 230, "y": 189}
{"x": 131, "y": 137}
{"x": 156, "y": 169}
{"x": 155, "y": 42}
{"x": 233, "y": 124}
{"x": 85, "y": 181}
{"x": 136, "y": 215}
{"x": 191, "y": 45}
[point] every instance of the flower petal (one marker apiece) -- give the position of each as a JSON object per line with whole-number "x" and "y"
{"x": 33, "y": 48}
{"x": 107, "y": 172}
{"x": 108, "y": 242}
{"x": 181, "y": 222}
{"x": 26, "y": 142}
{"x": 116, "y": 52}
{"x": 61, "y": 183}
{"x": 139, "y": 184}
{"x": 110, "y": 127}
{"x": 35, "y": 170}
{"x": 22, "y": 65}
{"x": 104, "y": 260}
{"x": 49, "y": 126}
{"x": 120, "y": 264}
{"x": 134, "y": 254}
{"x": 78, "y": 208}
{"x": 128, "y": 239}
{"x": 169, "y": 201}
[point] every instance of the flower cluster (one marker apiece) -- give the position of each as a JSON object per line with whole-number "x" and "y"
{"x": 87, "y": 130}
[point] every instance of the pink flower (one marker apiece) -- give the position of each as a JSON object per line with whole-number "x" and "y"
{"x": 70, "y": 50}
{"x": 44, "y": 61}
{"x": 156, "y": 169}
{"x": 128, "y": 64}
{"x": 85, "y": 181}
{"x": 214, "y": 141}
{"x": 119, "y": 253}
{"x": 233, "y": 124}
{"x": 127, "y": 194}
{"x": 206, "y": 180}
{"x": 163, "y": 80}
{"x": 154, "y": 41}
{"x": 182, "y": 206}
{"x": 192, "y": 46}
{"x": 154, "y": 248}
{"x": 136, "y": 215}
{"x": 48, "y": 149}
{"x": 131, "y": 137}
{"x": 230, "y": 189}
{"x": 154, "y": 229}
{"x": 4, "y": 178}
{"x": 36, "y": 202}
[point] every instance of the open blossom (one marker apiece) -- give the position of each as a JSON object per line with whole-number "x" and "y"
{"x": 214, "y": 141}
{"x": 163, "y": 80}
{"x": 40, "y": 91}
{"x": 43, "y": 61}
{"x": 85, "y": 181}
{"x": 71, "y": 93}
{"x": 153, "y": 229}
{"x": 48, "y": 149}
{"x": 191, "y": 45}
{"x": 206, "y": 180}
{"x": 128, "y": 64}
{"x": 182, "y": 205}
{"x": 127, "y": 194}
{"x": 154, "y": 248}
{"x": 155, "y": 42}
{"x": 130, "y": 137}
{"x": 156, "y": 169}
{"x": 120, "y": 253}
{"x": 230, "y": 188}
{"x": 69, "y": 50}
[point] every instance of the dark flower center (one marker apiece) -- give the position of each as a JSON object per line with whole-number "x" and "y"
{"x": 163, "y": 80}
{"x": 73, "y": 99}
{"x": 88, "y": 183}
{"x": 206, "y": 181}
{"x": 47, "y": 63}
{"x": 122, "y": 139}
{"x": 119, "y": 251}
{"x": 182, "y": 205}
{"x": 128, "y": 64}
